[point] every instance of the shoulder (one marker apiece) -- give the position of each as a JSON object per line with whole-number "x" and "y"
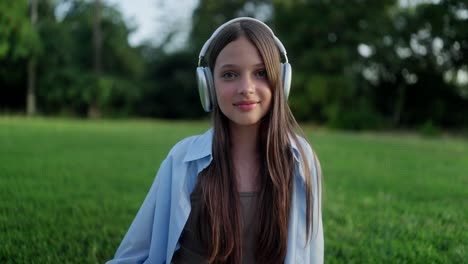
{"x": 177, "y": 160}
{"x": 299, "y": 144}
{"x": 307, "y": 158}
{"x": 193, "y": 147}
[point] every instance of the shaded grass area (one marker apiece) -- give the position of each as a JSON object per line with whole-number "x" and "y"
{"x": 70, "y": 188}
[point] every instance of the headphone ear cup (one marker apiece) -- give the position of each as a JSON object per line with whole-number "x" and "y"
{"x": 286, "y": 75}
{"x": 210, "y": 85}
{"x": 203, "y": 89}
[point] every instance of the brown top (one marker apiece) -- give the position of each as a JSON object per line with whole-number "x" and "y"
{"x": 192, "y": 249}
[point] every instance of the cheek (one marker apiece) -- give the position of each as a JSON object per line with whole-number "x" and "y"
{"x": 267, "y": 95}
{"x": 221, "y": 97}
{"x": 269, "y": 103}
{"x": 216, "y": 90}
{"x": 223, "y": 91}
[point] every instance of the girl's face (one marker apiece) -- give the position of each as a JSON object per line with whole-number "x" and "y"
{"x": 241, "y": 83}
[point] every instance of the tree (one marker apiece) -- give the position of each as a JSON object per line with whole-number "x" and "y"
{"x": 18, "y": 42}
{"x": 69, "y": 71}
{"x": 171, "y": 90}
{"x": 323, "y": 39}
{"x": 409, "y": 69}
{"x": 93, "y": 110}
{"x": 31, "y": 94}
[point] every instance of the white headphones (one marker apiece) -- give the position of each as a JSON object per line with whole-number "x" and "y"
{"x": 205, "y": 78}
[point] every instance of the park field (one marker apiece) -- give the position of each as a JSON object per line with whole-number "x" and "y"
{"x": 69, "y": 189}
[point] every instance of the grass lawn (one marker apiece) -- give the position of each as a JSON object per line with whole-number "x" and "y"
{"x": 69, "y": 189}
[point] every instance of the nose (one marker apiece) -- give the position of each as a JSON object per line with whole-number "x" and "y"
{"x": 246, "y": 85}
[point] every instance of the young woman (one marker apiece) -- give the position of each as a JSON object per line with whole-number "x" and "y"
{"x": 249, "y": 189}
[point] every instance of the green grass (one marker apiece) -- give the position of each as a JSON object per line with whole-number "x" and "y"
{"x": 70, "y": 188}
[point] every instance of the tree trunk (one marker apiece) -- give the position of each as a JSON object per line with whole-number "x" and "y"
{"x": 31, "y": 89}
{"x": 399, "y": 104}
{"x": 94, "y": 110}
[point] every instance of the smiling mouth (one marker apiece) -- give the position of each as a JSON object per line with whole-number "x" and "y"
{"x": 246, "y": 105}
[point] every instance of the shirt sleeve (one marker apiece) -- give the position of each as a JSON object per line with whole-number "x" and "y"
{"x": 136, "y": 244}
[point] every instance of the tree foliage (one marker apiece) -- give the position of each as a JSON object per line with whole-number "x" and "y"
{"x": 361, "y": 64}
{"x": 18, "y": 42}
{"x": 408, "y": 72}
{"x": 67, "y": 83}
{"x": 356, "y": 63}
{"x": 68, "y": 72}
{"x": 324, "y": 44}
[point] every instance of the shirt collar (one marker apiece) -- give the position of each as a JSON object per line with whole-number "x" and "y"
{"x": 201, "y": 147}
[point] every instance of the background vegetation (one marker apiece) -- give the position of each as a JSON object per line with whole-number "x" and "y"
{"x": 70, "y": 189}
{"x": 357, "y": 64}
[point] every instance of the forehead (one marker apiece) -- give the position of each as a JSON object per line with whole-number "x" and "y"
{"x": 241, "y": 52}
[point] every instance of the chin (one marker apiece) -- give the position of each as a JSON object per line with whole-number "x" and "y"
{"x": 245, "y": 121}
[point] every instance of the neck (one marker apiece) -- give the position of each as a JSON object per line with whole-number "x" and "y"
{"x": 245, "y": 155}
{"x": 244, "y": 140}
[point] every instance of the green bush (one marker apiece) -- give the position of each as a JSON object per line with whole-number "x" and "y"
{"x": 429, "y": 129}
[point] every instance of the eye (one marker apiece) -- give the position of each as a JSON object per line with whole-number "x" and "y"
{"x": 229, "y": 75}
{"x": 262, "y": 74}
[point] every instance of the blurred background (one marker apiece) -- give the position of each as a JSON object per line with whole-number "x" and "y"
{"x": 356, "y": 64}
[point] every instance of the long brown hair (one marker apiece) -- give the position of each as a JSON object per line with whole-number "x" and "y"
{"x": 220, "y": 211}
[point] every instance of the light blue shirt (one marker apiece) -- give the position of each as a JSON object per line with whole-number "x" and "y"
{"x": 154, "y": 233}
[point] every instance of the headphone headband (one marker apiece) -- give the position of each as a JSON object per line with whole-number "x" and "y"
{"x": 215, "y": 33}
